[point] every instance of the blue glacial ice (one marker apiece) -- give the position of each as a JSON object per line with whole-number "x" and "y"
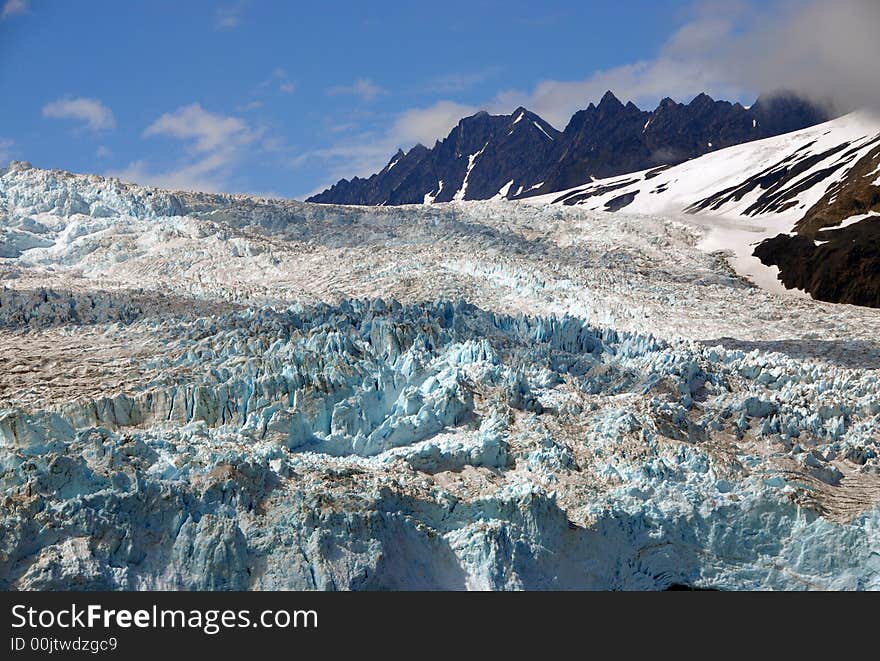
{"x": 223, "y": 392}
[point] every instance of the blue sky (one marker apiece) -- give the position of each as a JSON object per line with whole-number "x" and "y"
{"x": 284, "y": 98}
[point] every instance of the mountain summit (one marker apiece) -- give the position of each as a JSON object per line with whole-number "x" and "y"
{"x": 520, "y": 154}
{"x": 478, "y": 158}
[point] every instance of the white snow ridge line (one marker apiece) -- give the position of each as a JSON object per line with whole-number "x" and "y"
{"x": 541, "y": 129}
{"x": 472, "y": 159}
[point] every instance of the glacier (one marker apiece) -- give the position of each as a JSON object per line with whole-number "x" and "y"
{"x": 222, "y": 392}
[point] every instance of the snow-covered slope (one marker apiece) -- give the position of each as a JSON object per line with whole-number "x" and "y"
{"x": 776, "y": 179}
{"x": 748, "y": 193}
{"x": 210, "y": 391}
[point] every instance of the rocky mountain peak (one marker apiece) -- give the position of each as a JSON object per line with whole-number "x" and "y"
{"x": 520, "y": 154}
{"x": 478, "y": 117}
{"x": 666, "y": 104}
{"x": 701, "y": 101}
{"x": 609, "y": 102}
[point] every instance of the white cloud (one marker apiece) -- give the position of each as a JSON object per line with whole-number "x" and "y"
{"x": 357, "y": 158}
{"x": 214, "y": 144}
{"x": 344, "y": 127}
{"x": 683, "y": 68}
{"x": 825, "y": 51}
{"x": 363, "y": 88}
{"x": 92, "y": 112}
{"x": 458, "y": 82}
{"x": 249, "y": 106}
{"x": 274, "y": 143}
{"x": 103, "y": 152}
{"x": 13, "y": 8}
{"x": 645, "y": 83}
{"x": 6, "y": 146}
{"x": 285, "y": 85}
{"x": 205, "y": 130}
{"x": 200, "y": 176}
{"x": 364, "y": 154}
{"x": 426, "y": 125}
{"x": 279, "y": 79}
{"x": 229, "y": 17}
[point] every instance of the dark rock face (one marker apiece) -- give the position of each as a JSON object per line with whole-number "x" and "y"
{"x": 857, "y": 193}
{"x": 784, "y": 112}
{"x": 838, "y": 265}
{"x": 846, "y": 269}
{"x": 366, "y": 191}
{"x": 488, "y": 150}
{"x": 601, "y": 141}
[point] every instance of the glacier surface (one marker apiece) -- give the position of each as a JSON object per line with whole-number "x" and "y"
{"x": 225, "y": 392}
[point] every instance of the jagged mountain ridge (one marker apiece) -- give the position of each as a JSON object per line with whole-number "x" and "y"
{"x": 520, "y": 154}
{"x": 476, "y": 160}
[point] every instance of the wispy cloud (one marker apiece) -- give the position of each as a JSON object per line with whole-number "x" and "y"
{"x": 249, "y": 106}
{"x": 213, "y": 145}
{"x": 827, "y": 51}
{"x": 228, "y": 17}
{"x": 281, "y": 78}
{"x": 643, "y": 82}
{"x": 277, "y": 81}
{"x": 425, "y": 125}
{"x": 344, "y": 127}
{"x": 103, "y": 152}
{"x": 682, "y": 69}
{"x": 14, "y": 8}
{"x": 364, "y": 88}
{"x": 542, "y": 19}
{"x": 824, "y": 51}
{"x": 363, "y": 154}
{"x": 6, "y": 146}
{"x": 94, "y": 114}
{"x": 458, "y": 82}
{"x": 206, "y": 131}
{"x": 199, "y": 176}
